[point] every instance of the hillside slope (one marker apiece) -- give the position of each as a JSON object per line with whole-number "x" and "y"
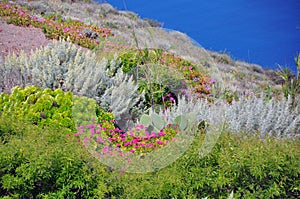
{"x": 128, "y": 27}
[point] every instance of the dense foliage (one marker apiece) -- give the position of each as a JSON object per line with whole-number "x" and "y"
{"x": 50, "y": 107}
{"x": 45, "y": 163}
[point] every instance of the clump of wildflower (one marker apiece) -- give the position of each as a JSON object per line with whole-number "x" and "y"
{"x": 136, "y": 140}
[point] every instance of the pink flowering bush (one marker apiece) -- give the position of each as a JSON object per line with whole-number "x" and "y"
{"x": 135, "y": 140}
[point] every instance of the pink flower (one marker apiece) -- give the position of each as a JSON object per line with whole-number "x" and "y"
{"x": 159, "y": 142}
{"x": 77, "y": 134}
{"x": 161, "y": 133}
{"x": 142, "y": 145}
{"x": 172, "y": 99}
{"x": 149, "y": 145}
{"x": 118, "y": 145}
{"x": 190, "y": 68}
{"x": 81, "y": 127}
{"x": 153, "y": 135}
{"x": 66, "y": 29}
{"x": 41, "y": 20}
{"x": 132, "y": 151}
{"x": 92, "y": 133}
{"x": 86, "y": 141}
{"x": 7, "y": 6}
{"x": 127, "y": 143}
{"x": 207, "y": 88}
{"x": 90, "y": 126}
{"x": 135, "y": 141}
{"x": 212, "y": 81}
{"x": 131, "y": 134}
{"x": 99, "y": 140}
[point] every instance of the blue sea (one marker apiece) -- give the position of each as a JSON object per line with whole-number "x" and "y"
{"x": 264, "y": 32}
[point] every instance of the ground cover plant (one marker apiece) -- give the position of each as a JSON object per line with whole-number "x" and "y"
{"x": 65, "y": 114}
{"x": 55, "y": 27}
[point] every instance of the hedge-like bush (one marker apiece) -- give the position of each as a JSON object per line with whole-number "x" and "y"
{"x": 37, "y": 162}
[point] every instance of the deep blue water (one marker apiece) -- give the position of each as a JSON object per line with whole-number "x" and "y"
{"x": 265, "y": 32}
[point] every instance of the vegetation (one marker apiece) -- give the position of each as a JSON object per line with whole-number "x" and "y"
{"x": 134, "y": 122}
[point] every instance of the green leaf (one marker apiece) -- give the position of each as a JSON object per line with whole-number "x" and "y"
{"x": 157, "y": 121}
{"x": 145, "y": 120}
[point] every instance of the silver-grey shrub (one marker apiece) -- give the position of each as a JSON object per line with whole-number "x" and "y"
{"x": 63, "y": 65}
{"x": 250, "y": 115}
{"x": 60, "y": 65}
{"x": 121, "y": 96}
{"x": 256, "y": 115}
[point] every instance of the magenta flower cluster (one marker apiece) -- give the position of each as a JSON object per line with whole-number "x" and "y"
{"x": 137, "y": 139}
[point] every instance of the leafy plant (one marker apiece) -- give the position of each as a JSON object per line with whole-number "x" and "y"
{"x": 46, "y": 162}
{"x": 50, "y": 107}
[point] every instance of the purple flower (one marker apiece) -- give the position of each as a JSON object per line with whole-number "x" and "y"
{"x": 172, "y": 99}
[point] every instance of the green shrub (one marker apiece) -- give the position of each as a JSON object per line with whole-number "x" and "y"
{"x": 46, "y": 163}
{"x": 41, "y": 162}
{"x": 249, "y": 167}
{"x": 50, "y": 107}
